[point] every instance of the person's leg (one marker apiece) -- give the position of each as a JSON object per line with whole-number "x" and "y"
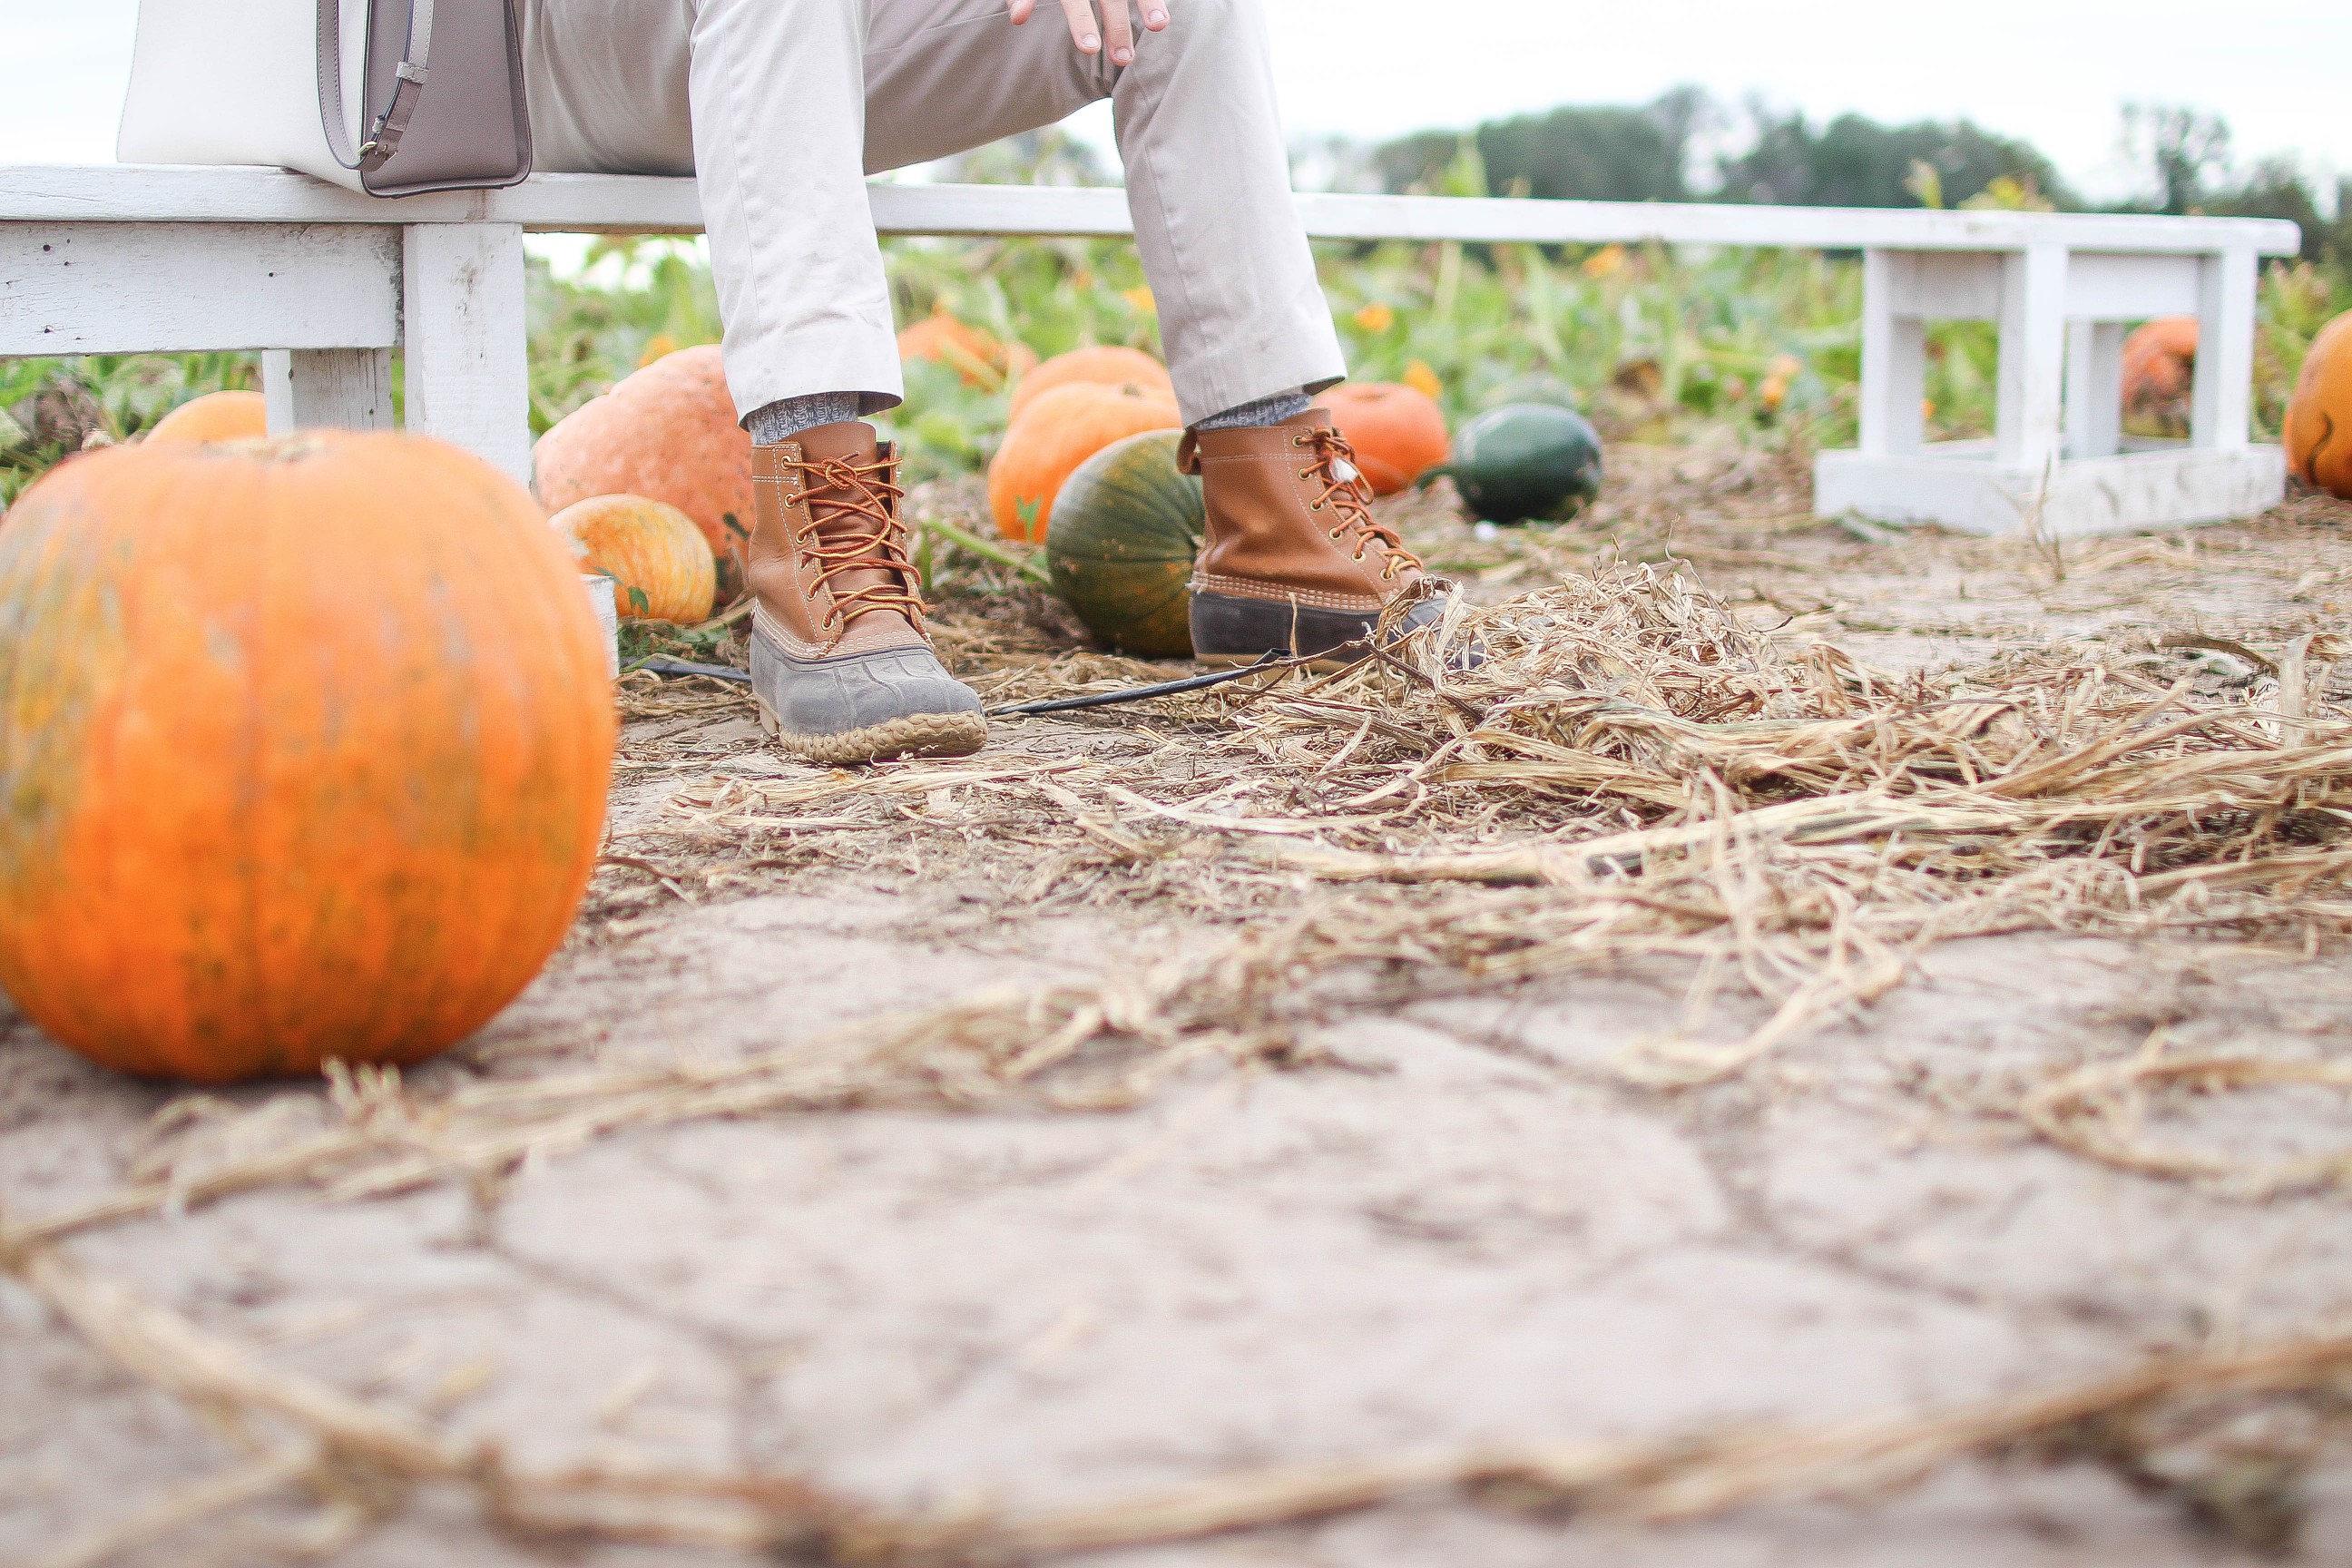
{"x": 1295, "y": 560}
{"x": 762, "y": 100}
{"x": 841, "y": 658}
{"x": 1208, "y": 177}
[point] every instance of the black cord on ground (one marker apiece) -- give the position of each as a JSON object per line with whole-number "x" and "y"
{"x": 687, "y": 667}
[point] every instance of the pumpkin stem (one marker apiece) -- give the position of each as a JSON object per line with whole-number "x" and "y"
{"x": 1027, "y": 566}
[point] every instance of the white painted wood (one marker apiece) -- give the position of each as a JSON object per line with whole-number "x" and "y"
{"x": 468, "y": 369}
{"x": 342, "y": 389}
{"x": 2028, "y": 423}
{"x": 1893, "y": 357}
{"x": 91, "y": 288}
{"x": 156, "y": 260}
{"x": 634, "y": 204}
{"x": 2095, "y": 389}
{"x": 1972, "y": 492}
{"x": 2106, "y": 287}
{"x": 1946, "y": 286}
{"x": 2223, "y": 395}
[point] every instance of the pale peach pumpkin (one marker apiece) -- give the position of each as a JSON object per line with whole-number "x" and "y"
{"x": 660, "y": 567}
{"x": 304, "y": 751}
{"x": 1061, "y": 429}
{"x": 1106, "y": 365}
{"x": 977, "y": 355}
{"x": 669, "y": 433}
{"x": 1399, "y": 432}
{"x": 215, "y": 417}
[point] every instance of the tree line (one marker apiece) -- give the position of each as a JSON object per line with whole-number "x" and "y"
{"x": 1672, "y": 150}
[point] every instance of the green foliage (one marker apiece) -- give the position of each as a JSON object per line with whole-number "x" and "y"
{"x": 634, "y": 300}
{"x": 50, "y": 408}
{"x": 1608, "y": 154}
{"x": 1650, "y": 343}
{"x": 1854, "y": 162}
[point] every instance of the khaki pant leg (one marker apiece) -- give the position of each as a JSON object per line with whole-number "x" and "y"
{"x": 1208, "y": 176}
{"x": 792, "y": 100}
{"x": 764, "y": 102}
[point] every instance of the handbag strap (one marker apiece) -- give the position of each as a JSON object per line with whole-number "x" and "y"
{"x": 408, "y": 85}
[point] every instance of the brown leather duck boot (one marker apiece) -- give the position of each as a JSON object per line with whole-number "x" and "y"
{"x": 1295, "y": 561}
{"x": 841, "y": 661}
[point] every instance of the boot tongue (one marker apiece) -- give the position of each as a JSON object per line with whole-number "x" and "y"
{"x": 852, "y": 442}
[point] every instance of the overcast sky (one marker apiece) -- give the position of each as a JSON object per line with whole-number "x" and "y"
{"x": 2056, "y": 73}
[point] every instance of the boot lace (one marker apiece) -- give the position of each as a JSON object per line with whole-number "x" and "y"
{"x": 853, "y": 527}
{"x": 1350, "y": 499}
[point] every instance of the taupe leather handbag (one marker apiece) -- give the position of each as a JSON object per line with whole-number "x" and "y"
{"x": 439, "y": 85}
{"x": 442, "y": 92}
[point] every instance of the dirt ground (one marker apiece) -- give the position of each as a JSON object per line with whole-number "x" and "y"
{"x": 1447, "y": 1218}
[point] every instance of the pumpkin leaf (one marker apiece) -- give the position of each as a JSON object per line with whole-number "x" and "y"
{"x": 638, "y": 602}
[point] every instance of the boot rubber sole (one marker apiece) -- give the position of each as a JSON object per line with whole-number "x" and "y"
{"x": 915, "y": 735}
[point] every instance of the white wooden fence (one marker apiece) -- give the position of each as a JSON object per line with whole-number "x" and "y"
{"x": 326, "y": 284}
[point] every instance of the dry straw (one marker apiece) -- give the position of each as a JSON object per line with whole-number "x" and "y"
{"x": 360, "y": 1461}
{"x": 1628, "y": 770}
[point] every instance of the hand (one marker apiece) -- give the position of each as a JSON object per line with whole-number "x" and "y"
{"x": 1081, "y": 14}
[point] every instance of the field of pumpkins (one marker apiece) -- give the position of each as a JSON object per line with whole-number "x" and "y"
{"x": 646, "y": 481}
{"x": 1797, "y": 1009}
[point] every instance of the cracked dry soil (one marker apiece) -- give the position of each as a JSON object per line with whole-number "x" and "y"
{"x": 1462, "y": 1223}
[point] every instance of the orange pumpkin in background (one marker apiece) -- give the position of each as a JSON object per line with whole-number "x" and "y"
{"x": 660, "y": 567}
{"x": 304, "y": 746}
{"x": 1398, "y": 431}
{"x": 977, "y": 355}
{"x": 669, "y": 433}
{"x": 2318, "y": 435}
{"x": 1106, "y": 365}
{"x": 215, "y": 417}
{"x": 1061, "y": 429}
{"x": 2159, "y": 366}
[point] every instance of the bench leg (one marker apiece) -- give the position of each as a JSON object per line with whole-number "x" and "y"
{"x": 468, "y": 369}
{"x": 343, "y": 389}
{"x": 1894, "y": 362}
{"x": 2095, "y": 389}
{"x": 2223, "y": 405}
{"x": 2027, "y": 426}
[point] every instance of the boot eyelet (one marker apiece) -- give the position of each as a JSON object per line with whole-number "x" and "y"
{"x": 1336, "y": 533}
{"x": 1317, "y": 507}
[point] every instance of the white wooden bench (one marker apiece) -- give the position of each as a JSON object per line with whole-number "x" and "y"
{"x": 116, "y": 259}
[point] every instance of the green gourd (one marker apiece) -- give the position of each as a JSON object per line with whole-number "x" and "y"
{"x": 1526, "y": 462}
{"x": 1124, "y": 531}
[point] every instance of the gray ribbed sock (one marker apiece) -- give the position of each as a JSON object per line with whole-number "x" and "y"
{"x": 1262, "y": 412}
{"x": 783, "y": 420}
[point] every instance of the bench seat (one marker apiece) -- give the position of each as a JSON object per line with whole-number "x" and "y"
{"x": 326, "y": 283}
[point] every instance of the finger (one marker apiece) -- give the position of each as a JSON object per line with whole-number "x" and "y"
{"x": 1081, "y": 14}
{"x": 1155, "y": 16}
{"x": 1021, "y": 10}
{"x": 1118, "y": 32}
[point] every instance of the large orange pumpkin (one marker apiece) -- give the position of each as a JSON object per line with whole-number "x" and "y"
{"x": 215, "y": 417}
{"x": 2318, "y": 435}
{"x": 304, "y": 751}
{"x": 1055, "y": 434}
{"x": 1399, "y": 432}
{"x": 981, "y": 359}
{"x": 669, "y": 433}
{"x": 661, "y": 569}
{"x": 2159, "y": 365}
{"x": 1107, "y": 364}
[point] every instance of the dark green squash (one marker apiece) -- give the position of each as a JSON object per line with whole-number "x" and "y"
{"x": 1120, "y": 545}
{"x": 1526, "y": 462}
